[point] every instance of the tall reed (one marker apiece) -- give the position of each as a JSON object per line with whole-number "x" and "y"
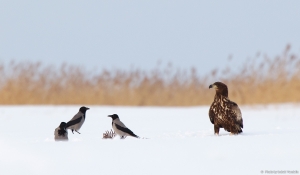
{"x": 260, "y": 80}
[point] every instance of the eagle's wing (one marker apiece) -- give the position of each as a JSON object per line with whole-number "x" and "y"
{"x": 236, "y": 113}
{"x": 74, "y": 122}
{"x": 233, "y": 117}
{"x": 211, "y": 113}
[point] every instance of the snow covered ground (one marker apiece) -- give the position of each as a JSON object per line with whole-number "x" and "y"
{"x": 181, "y": 141}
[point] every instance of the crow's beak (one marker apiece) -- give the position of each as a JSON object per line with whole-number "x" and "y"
{"x": 87, "y": 108}
{"x": 109, "y": 116}
{"x": 210, "y": 86}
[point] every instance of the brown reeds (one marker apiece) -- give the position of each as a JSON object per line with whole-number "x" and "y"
{"x": 260, "y": 80}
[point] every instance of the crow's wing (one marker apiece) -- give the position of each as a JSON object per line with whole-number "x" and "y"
{"x": 126, "y": 130}
{"x": 74, "y": 122}
{"x": 78, "y": 115}
{"x": 118, "y": 122}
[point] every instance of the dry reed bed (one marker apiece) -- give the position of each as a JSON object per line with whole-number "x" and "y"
{"x": 259, "y": 81}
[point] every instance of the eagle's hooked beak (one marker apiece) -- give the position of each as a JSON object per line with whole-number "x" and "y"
{"x": 213, "y": 86}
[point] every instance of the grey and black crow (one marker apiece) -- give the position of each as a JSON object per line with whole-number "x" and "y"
{"x": 120, "y": 128}
{"x": 77, "y": 121}
{"x": 60, "y": 133}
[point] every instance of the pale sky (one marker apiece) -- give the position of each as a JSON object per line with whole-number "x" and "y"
{"x": 119, "y": 34}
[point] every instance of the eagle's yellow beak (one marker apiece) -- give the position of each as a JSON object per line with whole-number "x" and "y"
{"x": 212, "y": 86}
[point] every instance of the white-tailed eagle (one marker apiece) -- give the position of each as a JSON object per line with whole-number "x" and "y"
{"x": 224, "y": 113}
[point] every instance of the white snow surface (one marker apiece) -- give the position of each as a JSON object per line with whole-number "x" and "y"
{"x": 180, "y": 141}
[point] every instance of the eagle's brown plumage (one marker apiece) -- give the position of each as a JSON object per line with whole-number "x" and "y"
{"x": 224, "y": 113}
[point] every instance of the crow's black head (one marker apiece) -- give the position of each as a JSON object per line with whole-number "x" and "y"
{"x": 62, "y": 129}
{"x": 83, "y": 109}
{"x": 62, "y": 125}
{"x": 114, "y": 116}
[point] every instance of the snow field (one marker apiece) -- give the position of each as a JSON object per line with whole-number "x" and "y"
{"x": 181, "y": 141}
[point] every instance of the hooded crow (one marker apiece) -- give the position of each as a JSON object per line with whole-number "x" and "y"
{"x": 77, "y": 121}
{"x": 60, "y": 133}
{"x": 120, "y": 128}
